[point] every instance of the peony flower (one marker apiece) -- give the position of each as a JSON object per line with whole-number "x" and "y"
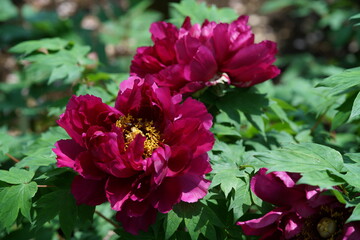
{"x": 194, "y": 56}
{"x": 144, "y": 155}
{"x": 302, "y": 212}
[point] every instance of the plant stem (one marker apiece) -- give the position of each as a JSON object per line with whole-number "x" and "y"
{"x": 12, "y": 157}
{"x": 107, "y": 219}
{"x": 45, "y": 186}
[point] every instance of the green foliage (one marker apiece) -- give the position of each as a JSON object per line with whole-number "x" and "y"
{"x": 198, "y": 12}
{"x": 15, "y": 197}
{"x": 53, "y": 59}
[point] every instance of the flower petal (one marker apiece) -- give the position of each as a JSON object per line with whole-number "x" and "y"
{"x": 87, "y": 191}
{"x": 66, "y": 152}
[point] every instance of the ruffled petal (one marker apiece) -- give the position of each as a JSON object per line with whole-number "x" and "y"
{"x": 118, "y": 190}
{"x": 66, "y": 152}
{"x": 263, "y": 225}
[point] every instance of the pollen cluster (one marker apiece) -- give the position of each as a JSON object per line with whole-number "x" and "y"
{"x": 134, "y": 126}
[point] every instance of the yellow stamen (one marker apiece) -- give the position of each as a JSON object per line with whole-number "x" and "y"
{"x": 134, "y": 126}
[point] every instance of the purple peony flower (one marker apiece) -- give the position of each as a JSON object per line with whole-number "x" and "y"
{"x": 302, "y": 212}
{"x": 144, "y": 155}
{"x": 194, "y": 56}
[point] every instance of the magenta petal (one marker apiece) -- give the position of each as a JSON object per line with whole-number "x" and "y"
{"x": 203, "y": 66}
{"x": 134, "y": 224}
{"x": 194, "y": 187}
{"x": 86, "y": 167}
{"x": 159, "y": 159}
{"x": 262, "y": 225}
{"x": 118, "y": 190}
{"x": 167, "y": 195}
{"x": 293, "y": 226}
{"x": 90, "y": 192}
{"x": 81, "y": 113}
{"x": 352, "y": 231}
{"x": 262, "y": 184}
{"x": 66, "y": 152}
{"x": 186, "y": 49}
{"x": 191, "y": 108}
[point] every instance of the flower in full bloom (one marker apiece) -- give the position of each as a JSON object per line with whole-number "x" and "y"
{"x": 196, "y": 56}
{"x": 144, "y": 155}
{"x": 302, "y": 212}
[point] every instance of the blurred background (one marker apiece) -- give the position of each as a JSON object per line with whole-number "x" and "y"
{"x": 316, "y": 38}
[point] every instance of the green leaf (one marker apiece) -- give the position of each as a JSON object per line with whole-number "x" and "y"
{"x": 171, "y": 224}
{"x": 60, "y": 202}
{"x": 355, "y": 215}
{"x": 13, "y": 199}
{"x": 197, "y": 217}
{"x": 244, "y": 101}
{"x": 6, "y": 141}
{"x": 198, "y": 12}
{"x": 355, "y": 111}
{"x": 241, "y": 201}
{"x": 39, "y": 153}
{"x": 96, "y": 91}
{"x": 303, "y": 157}
{"x": 58, "y": 60}
{"x": 227, "y": 179}
{"x": 323, "y": 179}
{"x": 342, "y": 82}
{"x": 27, "y": 47}
{"x": 16, "y": 176}
{"x": 353, "y": 175}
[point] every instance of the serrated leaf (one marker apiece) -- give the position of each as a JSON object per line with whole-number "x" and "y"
{"x": 6, "y": 141}
{"x": 39, "y": 152}
{"x": 353, "y": 175}
{"x": 199, "y": 12}
{"x": 343, "y": 81}
{"x": 171, "y": 224}
{"x": 62, "y": 60}
{"x": 241, "y": 201}
{"x": 27, "y": 47}
{"x": 323, "y": 179}
{"x": 302, "y": 157}
{"x": 96, "y": 91}
{"x": 227, "y": 179}
{"x": 244, "y": 101}
{"x": 16, "y": 176}
{"x": 197, "y": 217}
{"x": 13, "y": 199}
{"x": 60, "y": 202}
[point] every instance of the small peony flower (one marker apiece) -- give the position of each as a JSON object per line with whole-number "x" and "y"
{"x": 302, "y": 212}
{"x": 144, "y": 155}
{"x": 194, "y": 56}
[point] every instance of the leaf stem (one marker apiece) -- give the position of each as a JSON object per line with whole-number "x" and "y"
{"x": 45, "y": 186}
{"x": 242, "y": 167}
{"x": 12, "y": 157}
{"x": 107, "y": 219}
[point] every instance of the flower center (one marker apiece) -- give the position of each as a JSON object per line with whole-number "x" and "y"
{"x": 134, "y": 126}
{"x": 326, "y": 227}
{"x": 327, "y": 223}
